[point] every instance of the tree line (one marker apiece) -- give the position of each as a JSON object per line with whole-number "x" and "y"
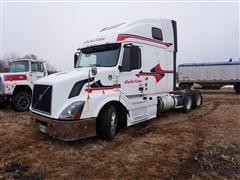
{"x": 6, "y": 60}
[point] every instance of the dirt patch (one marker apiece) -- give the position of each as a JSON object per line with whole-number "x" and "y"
{"x": 203, "y": 144}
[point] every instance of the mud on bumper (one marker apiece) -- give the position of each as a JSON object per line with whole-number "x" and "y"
{"x": 64, "y": 130}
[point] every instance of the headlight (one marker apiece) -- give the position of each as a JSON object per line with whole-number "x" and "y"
{"x": 73, "y": 111}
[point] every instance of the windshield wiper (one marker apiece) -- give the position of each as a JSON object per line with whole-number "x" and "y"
{"x": 98, "y": 65}
{"x": 90, "y": 65}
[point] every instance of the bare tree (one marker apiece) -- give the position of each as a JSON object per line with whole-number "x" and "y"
{"x": 51, "y": 69}
{"x": 30, "y": 56}
{"x": 6, "y": 60}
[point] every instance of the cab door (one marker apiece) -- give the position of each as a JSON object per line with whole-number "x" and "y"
{"x": 131, "y": 85}
{"x": 37, "y": 71}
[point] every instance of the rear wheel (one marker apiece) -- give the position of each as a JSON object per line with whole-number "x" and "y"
{"x": 187, "y": 104}
{"x": 107, "y": 123}
{"x": 197, "y": 100}
{"x": 237, "y": 87}
{"x": 21, "y": 101}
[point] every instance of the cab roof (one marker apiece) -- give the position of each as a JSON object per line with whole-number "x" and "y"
{"x": 136, "y": 31}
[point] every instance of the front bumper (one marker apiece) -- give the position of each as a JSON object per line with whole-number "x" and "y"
{"x": 64, "y": 130}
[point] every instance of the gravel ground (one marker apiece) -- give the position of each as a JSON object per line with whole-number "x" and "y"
{"x": 203, "y": 144}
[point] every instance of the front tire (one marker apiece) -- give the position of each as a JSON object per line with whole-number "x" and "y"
{"x": 21, "y": 101}
{"x": 107, "y": 123}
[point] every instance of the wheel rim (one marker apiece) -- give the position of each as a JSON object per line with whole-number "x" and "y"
{"x": 189, "y": 103}
{"x": 23, "y": 102}
{"x": 113, "y": 122}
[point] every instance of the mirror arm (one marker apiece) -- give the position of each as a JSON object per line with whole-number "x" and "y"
{"x": 120, "y": 68}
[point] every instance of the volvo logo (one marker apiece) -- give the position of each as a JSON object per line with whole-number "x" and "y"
{"x": 40, "y": 97}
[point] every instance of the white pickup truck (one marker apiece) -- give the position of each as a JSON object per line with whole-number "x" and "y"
{"x": 17, "y": 84}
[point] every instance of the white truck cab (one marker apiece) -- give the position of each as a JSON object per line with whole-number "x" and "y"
{"x": 17, "y": 84}
{"x": 125, "y": 74}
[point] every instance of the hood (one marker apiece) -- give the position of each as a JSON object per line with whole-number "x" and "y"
{"x": 65, "y": 76}
{"x": 63, "y": 82}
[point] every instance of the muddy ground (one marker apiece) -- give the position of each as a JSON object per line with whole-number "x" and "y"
{"x": 204, "y": 144}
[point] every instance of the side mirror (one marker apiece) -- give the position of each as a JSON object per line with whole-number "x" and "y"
{"x": 94, "y": 70}
{"x": 120, "y": 68}
{"x": 76, "y": 55}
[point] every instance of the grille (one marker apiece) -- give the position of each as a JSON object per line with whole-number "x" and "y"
{"x": 42, "y": 98}
{"x": 1, "y": 85}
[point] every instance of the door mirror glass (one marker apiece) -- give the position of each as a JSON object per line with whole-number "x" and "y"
{"x": 131, "y": 58}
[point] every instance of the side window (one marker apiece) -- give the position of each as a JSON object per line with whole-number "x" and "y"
{"x": 131, "y": 58}
{"x": 37, "y": 67}
{"x": 157, "y": 34}
{"x": 41, "y": 67}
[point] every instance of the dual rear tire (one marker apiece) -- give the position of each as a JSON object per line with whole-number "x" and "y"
{"x": 192, "y": 100}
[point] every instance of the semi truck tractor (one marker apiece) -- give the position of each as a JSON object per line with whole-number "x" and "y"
{"x": 17, "y": 84}
{"x": 124, "y": 75}
{"x": 211, "y": 75}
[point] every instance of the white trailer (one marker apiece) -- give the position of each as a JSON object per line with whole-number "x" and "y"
{"x": 212, "y": 75}
{"x": 17, "y": 84}
{"x": 124, "y": 75}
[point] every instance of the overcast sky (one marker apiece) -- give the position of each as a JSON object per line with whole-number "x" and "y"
{"x": 53, "y": 31}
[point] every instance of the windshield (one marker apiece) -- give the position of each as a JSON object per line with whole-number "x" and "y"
{"x": 102, "y": 56}
{"x": 19, "y": 66}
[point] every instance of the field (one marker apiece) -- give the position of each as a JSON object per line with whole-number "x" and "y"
{"x": 203, "y": 144}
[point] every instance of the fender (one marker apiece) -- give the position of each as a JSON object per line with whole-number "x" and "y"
{"x": 115, "y": 97}
{"x": 104, "y": 100}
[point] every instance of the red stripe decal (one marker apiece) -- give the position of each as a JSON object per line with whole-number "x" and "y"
{"x": 98, "y": 89}
{"x": 18, "y": 77}
{"x": 155, "y": 72}
{"x": 156, "y": 76}
{"x": 122, "y": 37}
{"x": 159, "y": 69}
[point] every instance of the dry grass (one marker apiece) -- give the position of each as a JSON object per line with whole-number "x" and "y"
{"x": 204, "y": 144}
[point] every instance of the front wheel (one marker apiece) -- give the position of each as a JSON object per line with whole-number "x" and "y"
{"x": 21, "y": 101}
{"x": 107, "y": 123}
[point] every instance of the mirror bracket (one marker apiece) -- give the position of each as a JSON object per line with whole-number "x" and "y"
{"x": 120, "y": 68}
